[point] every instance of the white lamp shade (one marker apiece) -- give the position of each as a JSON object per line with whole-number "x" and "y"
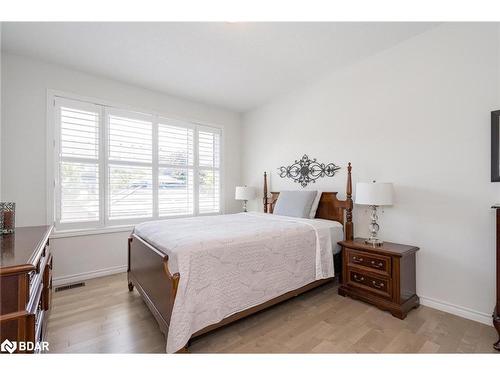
{"x": 374, "y": 193}
{"x": 244, "y": 193}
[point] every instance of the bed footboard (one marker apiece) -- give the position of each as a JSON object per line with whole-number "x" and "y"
{"x": 148, "y": 272}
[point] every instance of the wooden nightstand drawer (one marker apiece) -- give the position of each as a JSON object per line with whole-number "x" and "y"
{"x": 384, "y": 276}
{"x": 374, "y": 284}
{"x": 376, "y": 263}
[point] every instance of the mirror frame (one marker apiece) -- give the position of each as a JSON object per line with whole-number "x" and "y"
{"x": 495, "y": 144}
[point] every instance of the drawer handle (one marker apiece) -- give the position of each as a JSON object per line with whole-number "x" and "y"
{"x": 357, "y": 278}
{"x": 377, "y": 285}
{"x": 378, "y": 265}
{"x": 357, "y": 260}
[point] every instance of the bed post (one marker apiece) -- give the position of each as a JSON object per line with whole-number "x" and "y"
{"x": 349, "y": 234}
{"x": 265, "y": 193}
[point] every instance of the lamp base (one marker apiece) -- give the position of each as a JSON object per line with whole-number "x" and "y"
{"x": 374, "y": 227}
{"x": 374, "y": 241}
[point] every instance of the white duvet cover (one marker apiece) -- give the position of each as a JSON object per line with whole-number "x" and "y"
{"x": 229, "y": 263}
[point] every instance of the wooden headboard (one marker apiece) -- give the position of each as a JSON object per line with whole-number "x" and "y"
{"x": 329, "y": 207}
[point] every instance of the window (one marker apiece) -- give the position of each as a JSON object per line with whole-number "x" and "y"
{"x": 176, "y": 167}
{"x": 117, "y": 167}
{"x": 129, "y": 166}
{"x": 208, "y": 173}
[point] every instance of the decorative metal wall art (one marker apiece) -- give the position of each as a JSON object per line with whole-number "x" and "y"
{"x": 307, "y": 170}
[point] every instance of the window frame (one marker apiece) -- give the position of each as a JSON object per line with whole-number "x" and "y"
{"x": 105, "y": 224}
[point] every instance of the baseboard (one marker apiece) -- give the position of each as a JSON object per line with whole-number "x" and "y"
{"x": 457, "y": 310}
{"x": 63, "y": 280}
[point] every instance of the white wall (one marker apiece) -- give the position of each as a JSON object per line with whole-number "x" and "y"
{"x": 24, "y": 94}
{"x": 417, "y": 115}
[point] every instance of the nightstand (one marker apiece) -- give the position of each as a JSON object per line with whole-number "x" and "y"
{"x": 383, "y": 276}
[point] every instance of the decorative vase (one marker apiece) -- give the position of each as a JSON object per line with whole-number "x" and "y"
{"x": 7, "y": 217}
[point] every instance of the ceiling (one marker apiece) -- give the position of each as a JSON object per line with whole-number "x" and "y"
{"x": 237, "y": 66}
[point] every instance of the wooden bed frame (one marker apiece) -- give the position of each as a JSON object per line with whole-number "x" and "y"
{"x": 148, "y": 267}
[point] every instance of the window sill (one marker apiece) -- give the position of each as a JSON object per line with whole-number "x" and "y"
{"x": 62, "y": 233}
{"x": 91, "y": 232}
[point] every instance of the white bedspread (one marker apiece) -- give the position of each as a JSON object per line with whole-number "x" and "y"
{"x": 229, "y": 263}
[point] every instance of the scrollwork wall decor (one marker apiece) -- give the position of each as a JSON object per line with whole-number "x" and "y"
{"x": 307, "y": 170}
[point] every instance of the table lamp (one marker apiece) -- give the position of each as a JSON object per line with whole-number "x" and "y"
{"x": 244, "y": 193}
{"x": 374, "y": 194}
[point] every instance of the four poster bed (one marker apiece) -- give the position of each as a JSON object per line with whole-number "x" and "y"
{"x": 200, "y": 273}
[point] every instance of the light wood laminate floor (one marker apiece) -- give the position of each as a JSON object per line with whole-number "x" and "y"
{"x": 104, "y": 317}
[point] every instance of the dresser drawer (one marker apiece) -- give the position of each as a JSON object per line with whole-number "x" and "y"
{"x": 35, "y": 313}
{"x": 374, "y": 284}
{"x": 35, "y": 304}
{"x": 376, "y": 263}
{"x": 47, "y": 284}
{"x": 36, "y": 277}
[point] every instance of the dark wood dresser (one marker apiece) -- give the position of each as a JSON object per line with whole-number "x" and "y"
{"x": 25, "y": 286}
{"x": 381, "y": 275}
{"x": 496, "y": 311}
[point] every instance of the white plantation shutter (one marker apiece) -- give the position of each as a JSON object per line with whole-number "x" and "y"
{"x": 130, "y": 139}
{"x": 116, "y": 167}
{"x": 209, "y": 191}
{"x": 79, "y": 133}
{"x": 78, "y": 164}
{"x": 175, "y": 191}
{"x": 130, "y": 192}
{"x": 79, "y": 192}
{"x": 209, "y": 170}
{"x": 130, "y": 176}
{"x": 175, "y": 176}
{"x": 175, "y": 144}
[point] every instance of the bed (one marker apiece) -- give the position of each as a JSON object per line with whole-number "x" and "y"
{"x": 200, "y": 273}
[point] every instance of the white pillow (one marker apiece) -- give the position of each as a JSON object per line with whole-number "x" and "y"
{"x": 315, "y": 204}
{"x": 295, "y": 203}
